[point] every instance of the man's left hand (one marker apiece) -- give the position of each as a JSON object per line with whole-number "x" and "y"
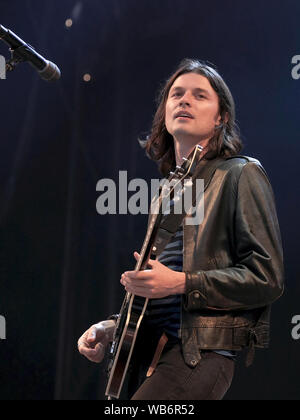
{"x": 157, "y": 282}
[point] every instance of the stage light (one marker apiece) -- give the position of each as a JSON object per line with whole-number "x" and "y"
{"x": 69, "y": 23}
{"x": 87, "y": 77}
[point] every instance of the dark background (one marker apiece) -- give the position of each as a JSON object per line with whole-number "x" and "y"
{"x": 60, "y": 262}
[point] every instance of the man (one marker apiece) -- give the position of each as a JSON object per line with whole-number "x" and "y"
{"x": 212, "y": 288}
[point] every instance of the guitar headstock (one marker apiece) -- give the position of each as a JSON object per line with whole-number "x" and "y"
{"x": 188, "y": 166}
{"x": 173, "y": 188}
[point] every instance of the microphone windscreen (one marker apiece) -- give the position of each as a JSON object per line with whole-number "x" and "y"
{"x": 51, "y": 72}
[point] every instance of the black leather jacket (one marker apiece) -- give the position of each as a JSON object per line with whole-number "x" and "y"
{"x": 233, "y": 262}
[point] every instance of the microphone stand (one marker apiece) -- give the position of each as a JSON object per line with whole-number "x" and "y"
{"x": 15, "y": 59}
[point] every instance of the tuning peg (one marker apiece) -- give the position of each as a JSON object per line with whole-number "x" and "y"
{"x": 186, "y": 161}
{"x": 180, "y": 169}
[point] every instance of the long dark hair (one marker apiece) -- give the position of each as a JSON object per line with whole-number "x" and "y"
{"x": 226, "y": 140}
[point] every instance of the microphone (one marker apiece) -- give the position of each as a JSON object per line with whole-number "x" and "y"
{"x": 24, "y": 52}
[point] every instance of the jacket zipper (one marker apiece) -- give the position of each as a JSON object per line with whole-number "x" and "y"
{"x": 183, "y": 258}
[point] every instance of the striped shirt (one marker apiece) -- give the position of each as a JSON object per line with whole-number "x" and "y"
{"x": 163, "y": 315}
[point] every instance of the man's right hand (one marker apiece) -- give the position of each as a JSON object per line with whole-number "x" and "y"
{"x": 92, "y": 344}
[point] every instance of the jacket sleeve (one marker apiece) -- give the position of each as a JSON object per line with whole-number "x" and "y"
{"x": 256, "y": 278}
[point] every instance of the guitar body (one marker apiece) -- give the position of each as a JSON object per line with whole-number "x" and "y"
{"x": 121, "y": 350}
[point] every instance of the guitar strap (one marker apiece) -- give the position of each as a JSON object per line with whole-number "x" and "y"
{"x": 159, "y": 349}
{"x": 171, "y": 222}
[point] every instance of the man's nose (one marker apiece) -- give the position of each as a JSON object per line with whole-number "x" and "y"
{"x": 185, "y": 99}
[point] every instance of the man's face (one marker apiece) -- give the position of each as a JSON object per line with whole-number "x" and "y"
{"x": 192, "y": 108}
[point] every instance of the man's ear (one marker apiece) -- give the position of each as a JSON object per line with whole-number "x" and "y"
{"x": 220, "y": 122}
{"x": 226, "y": 118}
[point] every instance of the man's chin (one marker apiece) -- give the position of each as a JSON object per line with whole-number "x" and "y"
{"x": 186, "y": 136}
